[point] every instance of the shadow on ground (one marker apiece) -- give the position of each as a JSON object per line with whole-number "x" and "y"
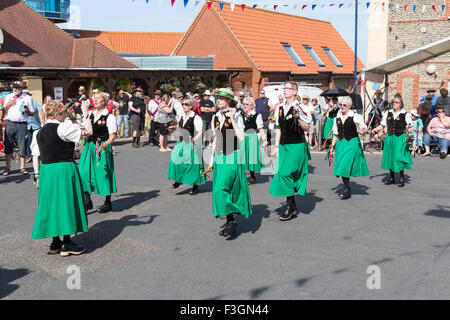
{"x": 8, "y": 276}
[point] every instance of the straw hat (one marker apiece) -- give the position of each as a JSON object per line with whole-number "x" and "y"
{"x": 207, "y": 93}
{"x": 81, "y": 88}
{"x": 227, "y": 93}
{"x": 414, "y": 113}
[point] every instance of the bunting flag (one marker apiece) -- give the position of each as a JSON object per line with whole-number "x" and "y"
{"x": 332, "y": 4}
{"x": 368, "y": 5}
{"x": 434, "y": 7}
{"x": 221, "y": 5}
{"x": 146, "y": 1}
{"x": 196, "y": 3}
{"x": 443, "y": 7}
{"x": 414, "y": 8}
{"x": 322, "y": 6}
{"x": 243, "y": 7}
{"x": 232, "y": 7}
{"x": 209, "y": 5}
{"x": 275, "y": 7}
{"x": 295, "y": 6}
{"x": 314, "y": 6}
{"x": 304, "y": 6}
{"x": 173, "y": 1}
{"x": 254, "y": 6}
{"x": 423, "y": 8}
{"x": 185, "y": 3}
{"x": 390, "y": 5}
{"x": 341, "y": 5}
{"x": 404, "y": 8}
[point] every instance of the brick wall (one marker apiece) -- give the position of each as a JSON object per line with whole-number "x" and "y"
{"x": 408, "y": 31}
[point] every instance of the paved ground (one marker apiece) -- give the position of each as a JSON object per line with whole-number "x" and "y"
{"x": 161, "y": 243}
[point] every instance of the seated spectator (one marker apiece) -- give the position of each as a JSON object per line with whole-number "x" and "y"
{"x": 417, "y": 134}
{"x": 444, "y": 100}
{"x": 438, "y": 130}
{"x": 424, "y": 111}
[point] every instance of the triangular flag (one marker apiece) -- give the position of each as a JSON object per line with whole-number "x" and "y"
{"x": 443, "y": 7}
{"x": 368, "y": 5}
{"x": 304, "y": 6}
{"x": 145, "y": 1}
{"x": 423, "y": 8}
{"x": 196, "y": 3}
{"x": 322, "y": 5}
{"x": 397, "y": 7}
{"x": 332, "y": 4}
{"x": 243, "y": 7}
{"x": 350, "y": 4}
{"x": 185, "y": 3}
{"x": 341, "y": 5}
{"x": 434, "y": 7}
{"x": 414, "y": 8}
{"x": 264, "y": 6}
{"x": 209, "y": 5}
{"x": 254, "y": 6}
{"x": 390, "y": 5}
{"x": 275, "y": 7}
{"x": 173, "y": 1}
{"x": 295, "y": 6}
{"x": 314, "y": 6}
{"x": 383, "y": 4}
{"x": 232, "y": 6}
{"x": 221, "y": 5}
{"x": 404, "y": 8}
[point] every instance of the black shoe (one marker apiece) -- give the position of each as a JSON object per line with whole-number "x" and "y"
{"x": 252, "y": 180}
{"x": 175, "y": 185}
{"x": 194, "y": 191}
{"x": 106, "y": 207}
{"x": 346, "y": 194}
{"x": 288, "y": 215}
{"x": 390, "y": 181}
{"x": 89, "y": 205}
{"x": 401, "y": 183}
{"x": 229, "y": 229}
{"x": 71, "y": 248}
{"x": 442, "y": 155}
{"x": 55, "y": 248}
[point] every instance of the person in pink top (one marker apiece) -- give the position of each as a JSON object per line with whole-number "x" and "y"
{"x": 438, "y": 130}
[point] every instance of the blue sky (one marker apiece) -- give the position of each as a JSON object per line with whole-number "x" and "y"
{"x": 160, "y": 16}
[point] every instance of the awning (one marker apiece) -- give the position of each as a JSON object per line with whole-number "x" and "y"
{"x": 377, "y": 72}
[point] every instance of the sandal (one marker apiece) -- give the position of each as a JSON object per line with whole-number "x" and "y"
{"x": 24, "y": 171}
{"x": 6, "y": 172}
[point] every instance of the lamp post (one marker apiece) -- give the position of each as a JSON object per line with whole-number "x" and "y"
{"x": 356, "y": 44}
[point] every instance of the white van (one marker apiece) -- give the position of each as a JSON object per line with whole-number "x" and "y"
{"x": 273, "y": 91}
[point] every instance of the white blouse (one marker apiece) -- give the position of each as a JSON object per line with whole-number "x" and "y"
{"x": 357, "y": 119}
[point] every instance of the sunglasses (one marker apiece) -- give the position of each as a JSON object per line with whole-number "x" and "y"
{"x": 262, "y": 93}
{"x": 440, "y": 111}
{"x": 343, "y": 105}
{"x": 185, "y": 104}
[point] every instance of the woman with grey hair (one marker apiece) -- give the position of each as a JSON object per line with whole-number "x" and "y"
{"x": 396, "y": 156}
{"x": 186, "y": 160}
{"x": 253, "y": 123}
{"x": 349, "y": 160}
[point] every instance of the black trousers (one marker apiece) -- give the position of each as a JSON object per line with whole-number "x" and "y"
{"x": 153, "y": 136}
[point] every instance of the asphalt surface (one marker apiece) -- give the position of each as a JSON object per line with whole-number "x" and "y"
{"x": 161, "y": 243}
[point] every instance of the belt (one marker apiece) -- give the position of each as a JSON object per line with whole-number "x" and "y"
{"x": 17, "y": 121}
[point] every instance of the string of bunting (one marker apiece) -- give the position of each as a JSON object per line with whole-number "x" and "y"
{"x": 382, "y": 5}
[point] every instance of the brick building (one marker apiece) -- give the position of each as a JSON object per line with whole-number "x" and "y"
{"x": 272, "y": 46}
{"x": 397, "y": 31}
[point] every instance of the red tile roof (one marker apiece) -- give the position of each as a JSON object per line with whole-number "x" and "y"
{"x": 33, "y": 41}
{"x": 135, "y": 42}
{"x": 261, "y": 33}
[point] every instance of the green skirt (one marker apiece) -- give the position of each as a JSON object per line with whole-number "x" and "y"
{"x": 396, "y": 156}
{"x": 230, "y": 185}
{"x": 327, "y": 128}
{"x": 293, "y": 171}
{"x": 186, "y": 162}
{"x": 61, "y": 210}
{"x": 349, "y": 159}
{"x": 97, "y": 175}
{"x": 253, "y": 156}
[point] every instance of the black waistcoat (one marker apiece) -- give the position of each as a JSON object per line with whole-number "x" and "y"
{"x": 333, "y": 113}
{"x": 250, "y": 123}
{"x": 346, "y": 129}
{"x": 99, "y": 128}
{"x": 189, "y": 126}
{"x": 396, "y": 126}
{"x": 291, "y": 132}
{"x": 53, "y": 149}
{"x": 225, "y": 134}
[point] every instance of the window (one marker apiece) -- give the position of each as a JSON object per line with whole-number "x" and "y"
{"x": 314, "y": 56}
{"x": 293, "y": 54}
{"x": 332, "y": 57}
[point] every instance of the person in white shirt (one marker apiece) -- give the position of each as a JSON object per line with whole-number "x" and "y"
{"x": 291, "y": 149}
{"x": 153, "y": 109}
{"x": 177, "y": 107}
{"x": 18, "y": 107}
{"x": 186, "y": 160}
{"x": 97, "y": 160}
{"x": 230, "y": 187}
{"x": 350, "y": 160}
{"x": 396, "y": 156}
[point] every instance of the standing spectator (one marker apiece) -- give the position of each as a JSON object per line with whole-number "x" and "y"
{"x": 208, "y": 109}
{"x": 137, "y": 107}
{"x": 2, "y": 103}
{"x": 82, "y": 96}
{"x": 417, "y": 134}
{"x": 153, "y": 109}
{"x": 147, "y": 116}
{"x": 18, "y": 108}
{"x": 317, "y": 120}
{"x": 45, "y": 101}
{"x": 444, "y": 100}
{"x": 433, "y": 98}
{"x": 123, "y": 100}
{"x": 177, "y": 107}
{"x": 163, "y": 117}
{"x": 438, "y": 131}
{"x": 34, "y": 123}
{"x": 307, "y": 107}
{"x": 213, "y": 96}
{"x": 264, "y": 108}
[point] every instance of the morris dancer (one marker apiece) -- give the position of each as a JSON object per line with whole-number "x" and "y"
{"x": 330, "y": 115}
{"x": 396, "y": 157}
{"x": 230, "y": 187}
{"x": 253, "y": 123}
{"x": 350, "y": 160}
{"x": 186, "y": 160}
{"x": 61, "y": 209}
{"x": 292, "y": 150}
{"x": 96, "y": 161}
